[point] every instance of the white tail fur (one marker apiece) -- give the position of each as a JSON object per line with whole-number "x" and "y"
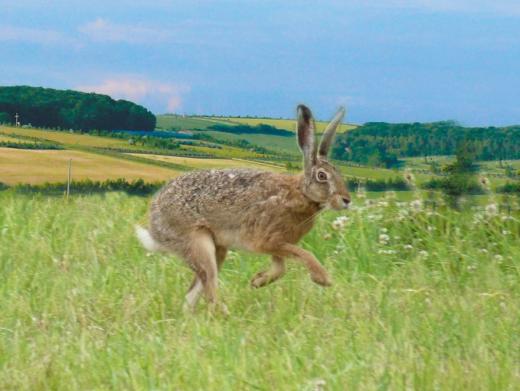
{"x": 146, "y": 239}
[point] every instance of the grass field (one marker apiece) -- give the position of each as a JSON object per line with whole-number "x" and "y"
{"x": 224, "y": 152}
{"x": 30, "y": 166}
{"x": 287, "y": 124}
{"x": 166, "y": 121}
{"x": 14, "y": 139}
{"x": 287, "y": 145}
{"x": 199, "y": 164}
{"x": 432, "y": 302}
{"x": 66, "y": 138}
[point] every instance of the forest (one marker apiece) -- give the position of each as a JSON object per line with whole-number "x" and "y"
{"x": 382, "y": 144}
{"x": 67, "y": 109}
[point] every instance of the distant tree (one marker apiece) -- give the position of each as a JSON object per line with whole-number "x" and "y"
{"x": 60, "y": 109}
{"x": 5, "y": 118}
{"x": 394, "y": 141}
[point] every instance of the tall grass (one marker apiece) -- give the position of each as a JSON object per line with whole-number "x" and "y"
{"x": 422, "y": 299}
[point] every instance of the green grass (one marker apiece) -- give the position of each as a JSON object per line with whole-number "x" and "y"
{"x": 273, "y": 143}
{"x": 287, "y": 124}
{"x": 83, "y": 306}
{"x": 168, "y": 121}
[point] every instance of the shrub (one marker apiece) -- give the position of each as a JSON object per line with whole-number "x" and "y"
{"x": 87, "y": 186}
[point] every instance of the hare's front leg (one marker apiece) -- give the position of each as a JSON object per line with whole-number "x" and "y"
{"x": 318, "y": 274}
{"x": 276, "y": 271}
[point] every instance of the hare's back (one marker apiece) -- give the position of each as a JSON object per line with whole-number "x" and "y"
{"x": 211, "y": 191}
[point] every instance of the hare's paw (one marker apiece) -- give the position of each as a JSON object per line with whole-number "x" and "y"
{"x": 260, "y": 279}
{"x": 321, "y": 277}
{"x": 218, "y": 309}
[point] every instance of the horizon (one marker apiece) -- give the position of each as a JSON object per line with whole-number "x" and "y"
{"x": 396, "y": 61}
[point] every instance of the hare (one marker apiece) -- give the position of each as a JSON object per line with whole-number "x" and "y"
{"x": 199, "y": 215}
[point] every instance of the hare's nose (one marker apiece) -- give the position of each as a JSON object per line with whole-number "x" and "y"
{"x": 346, "y": 200}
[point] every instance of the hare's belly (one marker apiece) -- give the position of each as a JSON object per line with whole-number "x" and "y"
{"x": 231, "y": 238}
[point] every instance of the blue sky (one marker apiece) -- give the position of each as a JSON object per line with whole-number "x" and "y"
{"x": 387, "y": 60}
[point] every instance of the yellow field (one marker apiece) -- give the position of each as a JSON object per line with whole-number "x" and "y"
{"x": 197, "y": 163}
{"x": 287, "y": 124}
{"x": 13, "y": 139}
{"x": 30, "y": 166}
{"x": 225, "y": 151}
{"x": 65, "y": 138}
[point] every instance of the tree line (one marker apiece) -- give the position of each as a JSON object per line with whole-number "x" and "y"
{"x": 382, "y": 144}
{"x": 67, "y": 109}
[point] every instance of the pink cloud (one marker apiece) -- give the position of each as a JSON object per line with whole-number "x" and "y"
{"x": 167, "y": 96}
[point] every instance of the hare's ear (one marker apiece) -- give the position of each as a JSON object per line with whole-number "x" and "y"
{"x": 306, "y": 141}
{"x": 328, "y": 134}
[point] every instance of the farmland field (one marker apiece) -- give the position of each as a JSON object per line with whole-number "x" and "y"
{"x": 65, "y": 137}
{"x": 273, "y": 143}
{"x": 33, "y": 167}
{"x": 224, "y": 152}
{"x": 166, "y": 121}
{"x": 85, "y": 307}
{"x": 13, "y": 139}
{"x": 287, "y": 124}
{"x": 211, "y": 163}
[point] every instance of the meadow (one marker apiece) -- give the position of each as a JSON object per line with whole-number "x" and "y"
{"x": 64, "y": 137}
{"x": 424, "y": 297}
{"x": 199, "y": 164}
{"x": 34, "y": 167}
{"x": 287, "y": 124}
{"x": 168, "y": 121}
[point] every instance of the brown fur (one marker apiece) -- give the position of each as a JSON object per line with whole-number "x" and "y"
{"x": 201, "y": 214}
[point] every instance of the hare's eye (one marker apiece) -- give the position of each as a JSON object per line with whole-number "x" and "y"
{"x": 322, "y": 176}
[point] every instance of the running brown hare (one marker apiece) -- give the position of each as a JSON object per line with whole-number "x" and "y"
{"x": 198, "y": 216}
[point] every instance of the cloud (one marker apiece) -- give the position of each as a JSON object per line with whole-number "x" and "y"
{"x": 102, "y": 30}
{"x": 31, "y": 35}
{"x": 158, "y": 95}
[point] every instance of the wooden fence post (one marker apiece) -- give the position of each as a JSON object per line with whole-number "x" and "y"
{"x": 69, "y": 177}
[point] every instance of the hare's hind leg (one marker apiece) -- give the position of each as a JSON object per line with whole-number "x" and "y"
{"x": 200, "y": 254}
{"x": 196, "y": 286}
{"x": 272, "y": 274}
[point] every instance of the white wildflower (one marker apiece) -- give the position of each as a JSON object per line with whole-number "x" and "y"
{"x": 318, "y": 385}
{"x": 499, "y": 258}
{"x": 408, "y": 247}
{"x": 491, "y": 209}
{"x": 423, "y": 254}
{"x": 383, "y": 230}
{"x": 384, "y": 239}
{"x": 416, "y": 205}
{"x": 505, "y": 232}
{"x": 386, "y": 252}
{"x": 383, "y": 204}
{"x": 340, "y": 223}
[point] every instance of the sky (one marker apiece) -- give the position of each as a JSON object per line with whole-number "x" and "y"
{"x": 385, "y": 60}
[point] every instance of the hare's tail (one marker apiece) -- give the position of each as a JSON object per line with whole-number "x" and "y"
{"x": 146, "y": 239}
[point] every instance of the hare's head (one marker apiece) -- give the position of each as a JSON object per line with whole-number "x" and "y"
{"x": 322, "y": 181}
